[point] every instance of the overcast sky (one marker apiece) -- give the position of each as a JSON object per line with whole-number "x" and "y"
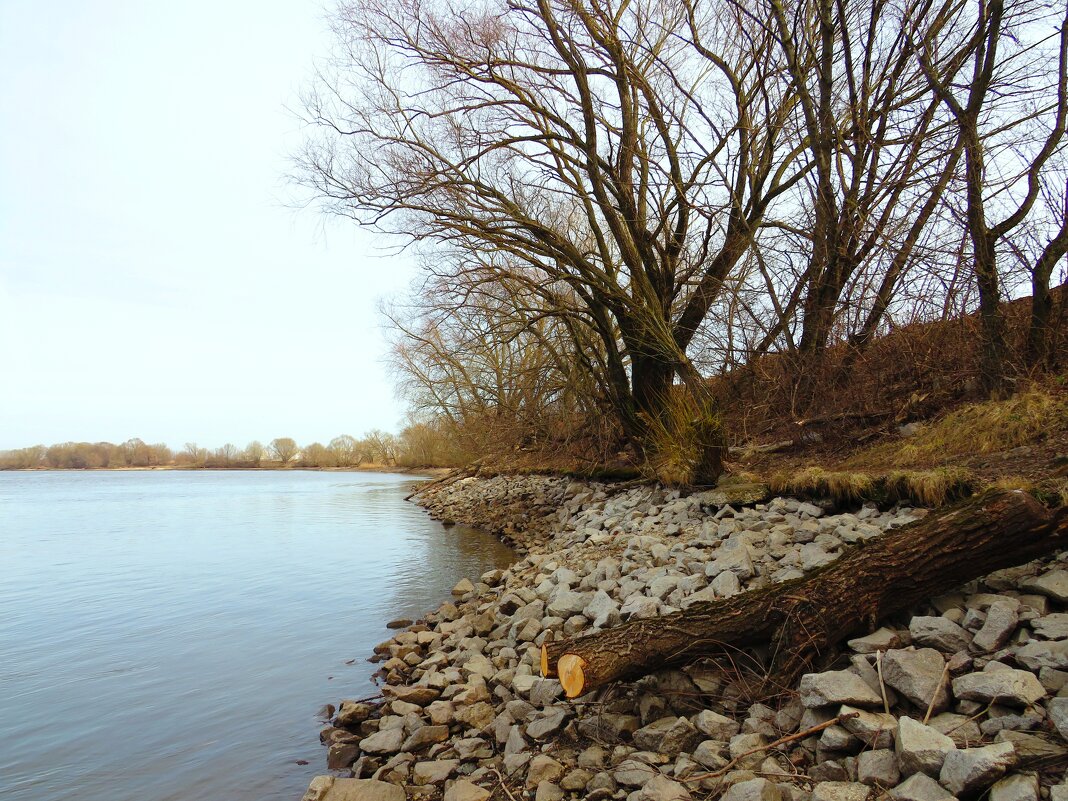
{"x": 153, "y": 280}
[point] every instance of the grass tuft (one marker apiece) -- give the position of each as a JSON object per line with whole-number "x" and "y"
{"x": 687, "y": 443}
{"x": 931, "y": 487}
{"x": 843, "y": 488}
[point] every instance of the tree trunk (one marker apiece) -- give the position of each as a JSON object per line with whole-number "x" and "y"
{"x": 681, "y": 425}
{"x": 803, "y": 618}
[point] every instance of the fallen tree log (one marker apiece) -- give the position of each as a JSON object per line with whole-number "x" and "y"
{"x": 802, "y": 618}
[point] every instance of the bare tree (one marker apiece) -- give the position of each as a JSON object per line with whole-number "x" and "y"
{"x": 345, "y": 451}
{"x": 1001, "y": 73}
{"x": 284, "y": 449}
{"x": 625, "y": 151}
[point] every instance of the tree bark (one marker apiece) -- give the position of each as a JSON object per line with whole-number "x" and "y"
{"x": 803, "y": 618}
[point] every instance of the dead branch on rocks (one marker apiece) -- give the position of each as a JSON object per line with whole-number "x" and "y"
{"x": 805, "y": 618}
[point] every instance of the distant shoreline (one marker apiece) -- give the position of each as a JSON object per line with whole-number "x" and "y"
{"x": 431, "y": 472}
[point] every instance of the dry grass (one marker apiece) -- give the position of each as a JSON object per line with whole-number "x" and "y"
{"x": 813, "y": 482}
{"x": 977, "y": 428}
{"x": 921, "y": 487}
{"x": 684, "y": 438}
{"x": 931, "y": 487}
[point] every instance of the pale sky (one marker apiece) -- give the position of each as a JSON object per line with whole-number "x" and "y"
{"x": 154, "y": 280}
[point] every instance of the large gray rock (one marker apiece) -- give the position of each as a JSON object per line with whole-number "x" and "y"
{"x": 633, "y": 772}
{"x": 1008, "y": 686}
{"x": 921, "y": 749}
{"x": 550, "y": 723}
{"x": 963, "y": 730}
{"x": 917, "y": 675}
{"x": 939, "y": 633}
{"x": 1053, "y": 585}
{"x": 424, "y": 737}
{"x": 387, "y": 741}
{"x": 340, "y": 755}
{"x": 1058, "y": 713}
{"x": 712, "y": 754}
{"x": 608, "y": 727}
{"x": 880, "y": 640}
{"x": 602, "y": 610}
{"x": 969, "y": 771}
{"x": 332, "y": 788}
{"x": 420, "y": 696}
{"x": 1051, "y": 627}
{"x": 433, "y": 772}
{"x": 920, "y": 787}
{"x": 565, "y": 603}
{"x": 1038, "y": 654}
{"x": 1001, "y": 621}
{"x": 837, "y": 687}
{"x": 464, "y": 790}
{"x": 735, "y": 494}
{"x": 753, "y": 790}
{"x": 668, "y": 736}
{"x": 813, "y": 556}
{"x": 725, "y": 584}
{"x": 661, "y": 788}
{"x": 732, "y": 556}
{"x": 874, "y": 729}
{"x": 543, "y": 768}
{"x": 353, "y": 713}
{"x": 840, "y": 791}
{"x": 548, "y": 791}
{"x": 715, "y": 725}
{"x": 878, "y": 768}
{"x": 640, "y": 607}
{"x": 477, "y": 716}
{"x": 544, "y": 692}
{"x": 1017, "y": 787}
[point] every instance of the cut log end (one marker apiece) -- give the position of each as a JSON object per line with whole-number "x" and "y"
{"x": 572, "y": 679}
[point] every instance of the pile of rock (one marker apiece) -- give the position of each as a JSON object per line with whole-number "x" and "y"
{"x": 960, "y": 698}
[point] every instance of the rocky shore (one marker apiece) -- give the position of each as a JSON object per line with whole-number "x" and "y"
{"x": 963, "y": 697}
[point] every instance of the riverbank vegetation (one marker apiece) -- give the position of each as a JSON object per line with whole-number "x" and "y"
{"x": 375, "y": 449}
{"x": 653, "y": 231}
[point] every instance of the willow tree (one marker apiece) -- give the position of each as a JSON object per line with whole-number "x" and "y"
{"x": 624, "y": 149}
{"x": 1000, "y": 67}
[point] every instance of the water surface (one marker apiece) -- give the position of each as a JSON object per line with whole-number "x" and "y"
{"x": 172, "y": 635}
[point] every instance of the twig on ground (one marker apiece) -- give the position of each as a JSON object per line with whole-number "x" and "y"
{"x": 934, "y": 695}
{"x": 781, "y": 741}
{"x": 882, "y": 685}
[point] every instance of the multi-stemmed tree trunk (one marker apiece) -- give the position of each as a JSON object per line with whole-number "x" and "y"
{"x": 983, "y": 112}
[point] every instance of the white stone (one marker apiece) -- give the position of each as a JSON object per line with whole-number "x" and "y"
{"x": 921, "y": 749}
{"x": 840, "y": 791}
{"x": 1001, "y": 621}
{"x": 918, "y": 675}
{"x": 939, "y": 633}
{"x": 1017, "y": 787}
{"x": 971, "y": 770}
{"x": 1053, "y": 585}
{"x": 920, "y": 787}
{"x": 1008, "y": 686}
{"x": 836, "y": 687}
{"x": 753, "y": 790}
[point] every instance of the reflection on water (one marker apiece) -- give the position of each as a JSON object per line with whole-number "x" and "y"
{"x": 171, "y": 635}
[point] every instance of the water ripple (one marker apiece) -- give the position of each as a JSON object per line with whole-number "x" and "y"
{"x": 171, "y": 635}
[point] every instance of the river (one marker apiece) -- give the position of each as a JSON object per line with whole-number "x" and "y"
{"x": 171, "y": 635}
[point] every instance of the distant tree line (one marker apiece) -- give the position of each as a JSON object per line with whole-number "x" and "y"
{"x": 417, "y": 445}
